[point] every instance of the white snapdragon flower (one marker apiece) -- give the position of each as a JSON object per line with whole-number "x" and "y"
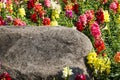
{"x": 58, "y": 8}
{"x": 67, "y": 72}
{"x": 53, "y": 4}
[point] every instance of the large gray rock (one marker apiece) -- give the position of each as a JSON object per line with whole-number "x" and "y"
{"x": 41, "y": 53}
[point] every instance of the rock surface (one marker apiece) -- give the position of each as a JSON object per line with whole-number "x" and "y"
{"x": 41, "y": 53}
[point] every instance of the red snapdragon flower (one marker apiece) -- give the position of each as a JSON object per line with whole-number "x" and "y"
{"x": 2, "y": 22}
{"x": 33, "y": 17}
{"x": 75, "y": 8}
{"x": 31, "y": 4}
{"x": 98, "y": 42}
{"x": 101, "y": 48}
{"x": 46, "y": 21}
{"x": 5, "y": 76}
{"x": 99, "y": 45}
{"x": 99, "y": 16}
{"x": 79, "y": 26}
{"x": 80, "y": 77}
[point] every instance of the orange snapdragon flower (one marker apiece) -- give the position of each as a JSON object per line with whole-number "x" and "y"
{"x": 69, "y": 7}
{"x": 117, "y": 57}
{"x": 9, "y": 6}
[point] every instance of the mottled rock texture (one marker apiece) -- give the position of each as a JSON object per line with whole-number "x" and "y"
{"x": 41, "y": 53}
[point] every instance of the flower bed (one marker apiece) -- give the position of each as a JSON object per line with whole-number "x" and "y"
{"x": 98, "y": 19}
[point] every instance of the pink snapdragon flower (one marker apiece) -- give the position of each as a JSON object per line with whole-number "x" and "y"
{"x": 95, "y": 30}
{"x": 83, "y": 19}
{"x": 69, "y": 13}
{"x": 47, "y": 3}
{"x": 89, "y": 14}
{"x": 19, "y": 22}
{"x": 4, "y": 1}
{"x": 114, "y": 6}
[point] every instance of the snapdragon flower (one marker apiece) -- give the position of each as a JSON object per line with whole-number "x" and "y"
{"x": 21, "y": 12}
{"x": 106, "y": 16}
{"x": 67, "y": 72}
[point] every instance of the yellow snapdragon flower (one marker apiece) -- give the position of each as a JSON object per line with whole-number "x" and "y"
{"x": 107, "y": 64}
{"x": 99, "y": 63}
{"x": 118, "y": 20}
{"x": 91, "y": 57}
{"x": 1, "y": 5}
{"x": 56, "y": 9}
{"x": 102, "y": 65}
{"x": 55, "y": 13}
{"x": 11, "y": 7}
{"x": 21, "y": 12}
{"x": 106, "y": 16}
{"x": 108, "y": 70}
{"x": 25, "y": 0}
{"x": 54, "y": 23}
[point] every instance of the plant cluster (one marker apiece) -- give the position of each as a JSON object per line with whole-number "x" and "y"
{"x": 98, "y": 19}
